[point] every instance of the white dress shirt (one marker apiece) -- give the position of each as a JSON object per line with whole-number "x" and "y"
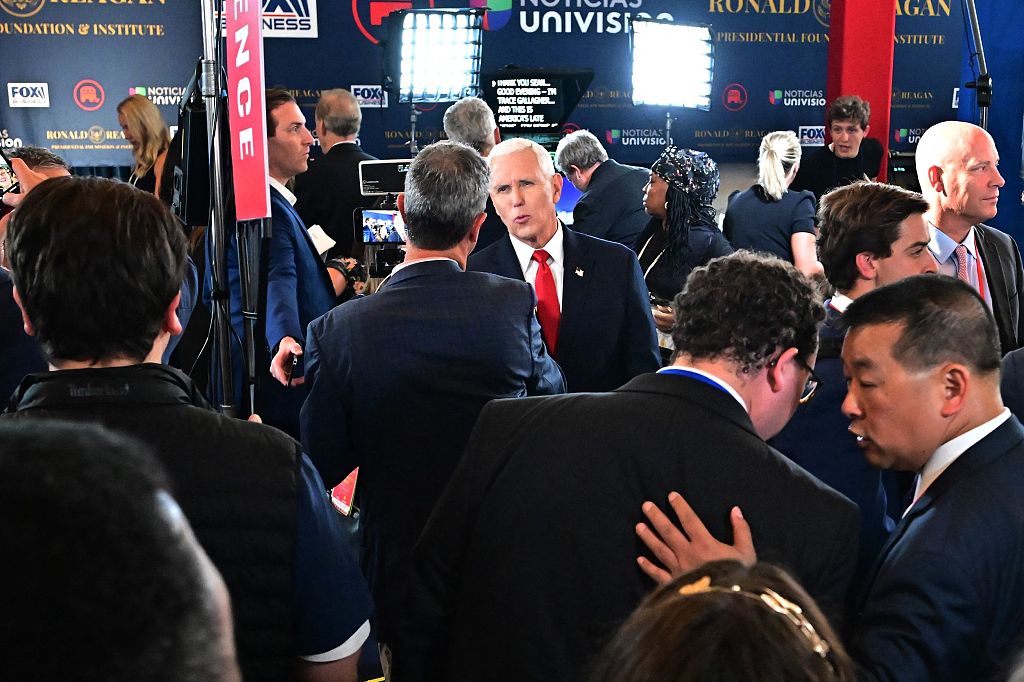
{"x": 556, "y": 261}
{"x": 285, "y": 192}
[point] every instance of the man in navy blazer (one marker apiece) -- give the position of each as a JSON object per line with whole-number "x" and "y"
{"x": 612, "y": 205}
{"x": 605, "y": 332}
{"x": 397, "y": 379}
{"x": 299, "y": 287}
{"x": 943, "y": 599}
{"x": 329, "y": 192}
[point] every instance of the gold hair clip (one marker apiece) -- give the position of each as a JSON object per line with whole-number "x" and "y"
{"x": 773, "y": 600}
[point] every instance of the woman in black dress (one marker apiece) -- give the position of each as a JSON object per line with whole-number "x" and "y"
{"x": 682, "y": 233}
{"x": 147, "y": 133}
{"x": 771, "y": 218}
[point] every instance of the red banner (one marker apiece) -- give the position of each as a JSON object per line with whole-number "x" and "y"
{"x": 246, "y": 109}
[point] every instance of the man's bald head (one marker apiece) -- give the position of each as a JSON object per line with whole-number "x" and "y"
{"x": 957, "y": 168}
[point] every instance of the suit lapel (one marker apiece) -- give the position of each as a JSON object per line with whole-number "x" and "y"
{"x": 978, "y": 456}
{"x": 995, "y": 279}
{"x": 577, "y": 274}
{"x": 300, "y": 226}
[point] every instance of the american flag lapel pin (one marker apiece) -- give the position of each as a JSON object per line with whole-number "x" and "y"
{"x": 579, "y": 272}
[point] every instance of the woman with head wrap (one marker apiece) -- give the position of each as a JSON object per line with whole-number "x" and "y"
{"x": 682, "y": 233}
{"x": 769, "y": 217}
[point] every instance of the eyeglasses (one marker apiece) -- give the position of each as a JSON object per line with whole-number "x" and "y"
{"x": 812, "y": 383}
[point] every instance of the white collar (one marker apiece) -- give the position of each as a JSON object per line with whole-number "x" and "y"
{"x": 285, "y": 192}
{"x": 840, "y": 302}
{"x": 949, "y": 451}
{"x": 405, "y": 264}
{"x": 554, "y": 247}
{"x": 718, "y": 381}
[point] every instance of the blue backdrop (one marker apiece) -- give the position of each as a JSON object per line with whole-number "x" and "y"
{"x": 770, "y": 59}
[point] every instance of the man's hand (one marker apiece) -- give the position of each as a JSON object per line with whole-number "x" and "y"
{"x": 27, "y": 180}
{"x": 664, "y": 317}
{"x": 684, "y": 551}
{"x": 288, "y": 352}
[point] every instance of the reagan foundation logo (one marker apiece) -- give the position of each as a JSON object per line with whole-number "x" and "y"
{"x": 22, "y": 8}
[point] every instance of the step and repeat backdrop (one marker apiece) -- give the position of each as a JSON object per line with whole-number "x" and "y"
{"x": 67, "y": 63}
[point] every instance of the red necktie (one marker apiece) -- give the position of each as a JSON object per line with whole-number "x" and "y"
{"x": 548, "y": 312}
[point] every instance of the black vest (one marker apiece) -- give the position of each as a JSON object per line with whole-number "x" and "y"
{"x": 234, "y": 480}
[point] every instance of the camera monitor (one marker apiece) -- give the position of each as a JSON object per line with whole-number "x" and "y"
{"x": 381, "y": 226}
{"x": 383, "y": 177}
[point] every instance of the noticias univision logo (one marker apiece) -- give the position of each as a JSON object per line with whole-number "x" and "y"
{"x": 908, "y": 135}
{"x": 613, "y": 136}
{"x": 775, "y": 97}
{"x": 497, "y": 15}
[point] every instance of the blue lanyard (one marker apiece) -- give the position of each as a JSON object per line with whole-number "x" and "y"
{"x": 693, "y": 375}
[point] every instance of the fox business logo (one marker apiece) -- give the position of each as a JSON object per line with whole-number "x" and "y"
{"x": 283, "y": 19}
{"x": 370, "y": 96}
{"x": 28, "y": 95}
{"x": 812, "y": 136}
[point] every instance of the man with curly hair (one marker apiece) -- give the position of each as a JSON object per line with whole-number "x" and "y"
{"x": 528, "y": 557}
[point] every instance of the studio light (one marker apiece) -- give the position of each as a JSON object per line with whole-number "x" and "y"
{"x": 672, "y": 64}
{"x": 435, "y": 54}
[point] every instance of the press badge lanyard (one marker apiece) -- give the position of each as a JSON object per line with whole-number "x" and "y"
{"x": 693, "y": 375}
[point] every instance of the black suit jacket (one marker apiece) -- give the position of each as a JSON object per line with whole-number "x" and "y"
{"x": 328, "y": 193}
{"x": 1005, "y": 278}
{"x": 606, "y": 335}
{"x": 612, "y": 208}
{"x": 944, "y": 602}
{"x": 396, "y": 381}
{"x": 528, "y": 563}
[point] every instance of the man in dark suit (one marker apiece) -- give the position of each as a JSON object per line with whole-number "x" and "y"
{"x": 526, "y": 567}
{"x": 957, "y": 167}
{"x": 397, "y": 379}
{"x": 612, "y": 205}
{"x": 328, "y": 193}
{"x": 299, "y": 286}
{"x": 593, "y": 305}
{"x": 471, "y": 122}
{"x": 871, "y": 235}
{"x": 943, "y": 599}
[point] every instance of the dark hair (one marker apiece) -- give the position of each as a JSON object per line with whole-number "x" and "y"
{"x": 100, "y": 579}
{"x": 37, "y": 157}
{"x": 275, "y": 97}
{"x": 744, "y": 307}
{"x": 700, "y": 627}
{"x": 849, "y": 108}
{"x": 339, "y": 111}
{"x": 96, "y": 263}
{"x": 943, "y": 319}
{"x": 858, "y": 218}
{"x": 445, "y": 189}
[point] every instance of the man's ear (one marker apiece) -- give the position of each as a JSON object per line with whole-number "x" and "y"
{"x": 171, "y": 323}
{"x": 401, "y": 204}
{"x": 474, "y": 230}
{"x": 497, "y": 137}
{"x": 956, "y": 379}
{"x": 780, "y": 374}
{"x": 866, "y": 267}
{"x": 27, "y": 323}
{"x": 935, "y": 179}
{"x": 556, "y": 186}
{"x": 867, "y": 129}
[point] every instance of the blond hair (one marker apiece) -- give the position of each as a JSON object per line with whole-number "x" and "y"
{"x": 147, "y": 124}
{"x": 779, "y": 152}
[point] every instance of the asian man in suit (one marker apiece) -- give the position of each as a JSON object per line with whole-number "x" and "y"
{"x": 397, "y": 379}
{"x": 943, "y": 599}
{"x": 593, "y": 305}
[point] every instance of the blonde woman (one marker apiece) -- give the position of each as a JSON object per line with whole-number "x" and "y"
{"x": 146, "y": 131}
{"x": 769, "y": 217}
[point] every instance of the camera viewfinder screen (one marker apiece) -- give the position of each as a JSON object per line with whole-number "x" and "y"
{"x": 383, "y": 227}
